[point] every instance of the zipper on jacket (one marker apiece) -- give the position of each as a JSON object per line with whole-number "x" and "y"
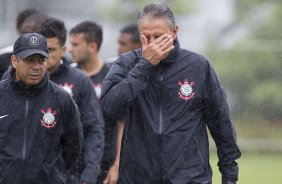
{"x": 24, "y": 138}
{"x": 161, "y": 104}
{"x": 161, "y": 160}
{"x": 25, "y": 123}
{"x": 161, "y": 126}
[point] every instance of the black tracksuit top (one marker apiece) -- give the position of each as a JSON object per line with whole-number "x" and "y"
{"x": 40, "y": 132}
{"x": 168, "y": 108}
{"x": 79, "y": 86}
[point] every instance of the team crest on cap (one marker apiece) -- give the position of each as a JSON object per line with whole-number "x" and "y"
{"x": 48, "y": 119}
{"x": 33, "y": 41}
{"x": 68, "y": 87}
{"x": 186, "y": 91}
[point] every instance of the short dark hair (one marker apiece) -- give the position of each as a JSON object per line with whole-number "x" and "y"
{"x": 36, "y": 20}
{"x": 54, "y": 28}
{"x": 23, "y": 15}
{"x": 157, "y": 10}
{"x": 92, "y": 32}
{"x": 133, "y": 30}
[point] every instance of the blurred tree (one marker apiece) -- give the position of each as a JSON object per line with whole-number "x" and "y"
{"x": 127, "y": 11}
{"x": 251, "y": 68}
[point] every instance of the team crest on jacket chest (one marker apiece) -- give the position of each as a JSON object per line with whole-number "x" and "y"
{"x": 98, "y": 89}
{"x": 48, "y": 119}
{"x": 186, "y": 90}
{"x": 68, "y": 87}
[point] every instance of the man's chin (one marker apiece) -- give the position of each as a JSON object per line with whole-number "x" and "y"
{"x": 34, "y": 81}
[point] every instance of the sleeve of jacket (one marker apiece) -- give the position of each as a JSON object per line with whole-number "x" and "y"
{"x": 127, "y": 78}
{"x": 72, "y": 139}
{"x": 93, "y": 128}
{"x": 221, "y": 128}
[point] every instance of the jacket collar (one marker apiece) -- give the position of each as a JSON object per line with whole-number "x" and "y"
{"x": 20, "y": 86}
{"x": 62, "y": 69}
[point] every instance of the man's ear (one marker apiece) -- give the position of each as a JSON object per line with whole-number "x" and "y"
{"x": 93, "y": 46}
{"x": 14, "y": 61}
{"x": 174, "y": 31}
{"x": 64, "y": 49}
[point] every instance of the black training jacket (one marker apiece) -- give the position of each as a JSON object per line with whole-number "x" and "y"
{"x": 5, "y": 62}
{"x": 40, "y": 132}
{"x": 168, "y": 108}
{"x": 79, "y": 85}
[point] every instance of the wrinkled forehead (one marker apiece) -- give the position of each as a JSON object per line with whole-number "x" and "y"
{"x": 149, "y": 19}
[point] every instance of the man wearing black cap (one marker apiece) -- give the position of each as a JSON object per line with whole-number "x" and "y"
{"x": 40, "y": 129}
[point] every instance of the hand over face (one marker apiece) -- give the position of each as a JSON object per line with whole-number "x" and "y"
{"x": 156, "y": 50}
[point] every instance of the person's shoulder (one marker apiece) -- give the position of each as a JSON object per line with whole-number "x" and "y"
{"x": 193, "y": 55}
{"x": 108, "y": 65}
{"x": 79, "y": 78}
{"x": 77, "y": 73}
{"x": 5, "y": 59}
{"x": 128, "y": 59}
{"x": 72, "y": 72}
{"x": 62, "y": 96}
{"x": 4, "y": 84}
{"x": 8, "y": 49}
{"x": 59, "y": 91}
{"x": 6, "y": 55}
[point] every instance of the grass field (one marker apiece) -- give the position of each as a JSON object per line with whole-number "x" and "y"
{"x": 254, "y": 168}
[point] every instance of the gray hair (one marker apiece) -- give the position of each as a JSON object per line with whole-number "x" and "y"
{"x": 160, "y": 10}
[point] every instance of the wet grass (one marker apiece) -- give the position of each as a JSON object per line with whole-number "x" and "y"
{"x": 254, "y": 168}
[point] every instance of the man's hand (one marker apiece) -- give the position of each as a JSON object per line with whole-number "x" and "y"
{"x": 112, "y": 175}
{"x": 158, "y": 49}
{"x": 225, "y": 181}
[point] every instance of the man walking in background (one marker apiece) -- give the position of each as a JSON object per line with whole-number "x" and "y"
{"x": 86, "y": 39}
{"x": 79, "y": 86}
{"x": 26, "y": 21}
{"x": 129, "y": 39}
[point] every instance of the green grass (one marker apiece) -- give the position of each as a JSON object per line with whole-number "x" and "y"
{"x": 258, "y": 128}
{"x": 254, "y": 168}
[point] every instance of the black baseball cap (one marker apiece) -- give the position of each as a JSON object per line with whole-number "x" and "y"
{"x": 30, "y": 43}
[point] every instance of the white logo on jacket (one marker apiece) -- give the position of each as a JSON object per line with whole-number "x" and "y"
{"x": 68, "y": 87}
{"x": 48, "y": 119}
{"x": 186, "y": 91}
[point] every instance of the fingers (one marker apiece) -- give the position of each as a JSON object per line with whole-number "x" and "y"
{"x": 163, "y": 39}
{"x": 154, "y": 50}
{"x": 144, "y": 40}
{"x": 166, "y": 44}
{"x": 166, "y": 52}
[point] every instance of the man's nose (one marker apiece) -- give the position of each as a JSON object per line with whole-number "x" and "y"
{"x": 36, "y": 65}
